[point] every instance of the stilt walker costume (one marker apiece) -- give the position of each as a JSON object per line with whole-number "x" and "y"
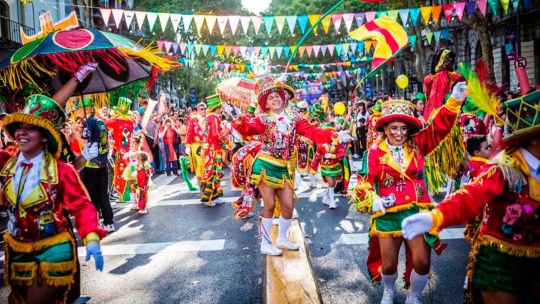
{"x": 39, "y": 247}
{"x": 213, "y": 163}
{"x": 278, "y": 128}
{"x": 121, "y": 127}
{"x": 505, "y": 257}
{"x": 195, "y": 138}
{"x": 394, "y": 187}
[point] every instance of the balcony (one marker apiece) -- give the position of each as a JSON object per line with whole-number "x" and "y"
{"x": 10, "y": 35}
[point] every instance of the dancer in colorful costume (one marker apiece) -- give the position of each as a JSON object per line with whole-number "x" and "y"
{"x": 40, "y": 250}
{"x": 394, "y": 188}
{"x": 343, "y": 124}
{"x": 504, "y": 260}
{"x": 277, "y": 127}
{"x": 212, "y": 154}
{"x": 329, "y": 158}
{"x": 121, "y": 127}
{"x": 195, "y": 139}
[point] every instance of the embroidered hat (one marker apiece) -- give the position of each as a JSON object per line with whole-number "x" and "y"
{"x": 43, "y": 112}
{"x": 523, "y": 118}
{"x": 266, "y": 86}
{"x": 398, "y": 110}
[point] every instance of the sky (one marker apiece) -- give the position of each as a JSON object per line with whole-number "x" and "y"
{"x": 256, "y": 6}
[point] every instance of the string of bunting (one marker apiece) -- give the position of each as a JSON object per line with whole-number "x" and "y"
{"x": 116, "y": 17}
{"x": 225, "y": 66}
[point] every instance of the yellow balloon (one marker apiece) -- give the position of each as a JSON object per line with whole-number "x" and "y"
{"x": 402, "y": 81}
{"x": 339, "y": 108}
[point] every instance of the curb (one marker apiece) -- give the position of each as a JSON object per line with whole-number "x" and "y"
{"x": 290, "y": 278}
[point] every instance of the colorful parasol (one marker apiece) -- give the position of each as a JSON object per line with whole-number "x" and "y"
{"x": 239, "y": 90}
{"x": 56, "y": 55}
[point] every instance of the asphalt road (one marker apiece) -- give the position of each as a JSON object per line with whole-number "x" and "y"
{"x": 181, "y": 252}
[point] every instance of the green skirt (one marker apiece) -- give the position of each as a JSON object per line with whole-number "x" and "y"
{"x": 271, "y": 171}
{"x": 498, "y": 271}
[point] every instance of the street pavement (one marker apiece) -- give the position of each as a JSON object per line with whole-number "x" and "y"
{"x": 182, "y": 252}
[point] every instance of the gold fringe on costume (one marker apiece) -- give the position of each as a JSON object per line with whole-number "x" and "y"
{"x": 17, "y": 76}
{"x": 272, "y": 182}
{"x": 508, "y": 248}
{"x": 445, "y": 160}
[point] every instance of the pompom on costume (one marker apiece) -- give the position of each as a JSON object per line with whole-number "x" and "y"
{"x": 39, "y": 247}
{"x": 505, "y": 256}
{"x": 121, "y": 127}
{"x": 398, "y": 171}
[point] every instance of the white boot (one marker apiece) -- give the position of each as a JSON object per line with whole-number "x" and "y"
{"x": 418, "y": 283}
{"x": 297, "y": 180}
{"x": 389, "y": 283}
{"x": 266, "y": 242}
{"x": 326, "y": 198}
{"x": 282, "y": 241}
{"x": 312, "y": 181}
{"x": 333, "y": 203}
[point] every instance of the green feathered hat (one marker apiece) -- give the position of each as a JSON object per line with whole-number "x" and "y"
{"x": 43, "y": 112}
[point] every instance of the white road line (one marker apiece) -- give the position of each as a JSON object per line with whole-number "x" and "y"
{"x": 165, "y": 247}
{"x": 363, "y": 238}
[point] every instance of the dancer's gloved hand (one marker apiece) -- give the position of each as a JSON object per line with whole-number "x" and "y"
{"x": 94, "y": 249}
{"x": 188, "y": 150}
{"x": 231, "y": 110}
{"x": 344, "y": 137}
{"x": 416, "y": 224}
{"x": 459, "y": 92}
{"x": 377, "y": 205}
{"x": 90, "y": 151}
{"x": 84, "y": 70}
{"x": 388, "y": 201}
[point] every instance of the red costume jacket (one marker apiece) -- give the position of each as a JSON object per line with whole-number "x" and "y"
{"x": 510, "y": 220}
{"x": 321, "y": 159}
{"x": 384, "y": 172}
{"x": 213, "y": 138}
{"x": 196, "y": 130}
{"x": 44, "y": 207}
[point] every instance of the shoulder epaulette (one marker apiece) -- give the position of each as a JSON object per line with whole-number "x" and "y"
{"x": 509, "y": 166}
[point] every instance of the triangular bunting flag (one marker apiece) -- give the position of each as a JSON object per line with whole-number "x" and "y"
{"x": 286, "y": 51}
{"x": 515, "y": 4}
{"x": 482, "y": 6}
{"x": 168, "y": 45}
{"x": 257, "y": 21}
{"x": 339, "y": 48}
{"x": 378, "y": 14}
{"x": 210, "y": 22}
{"x": 470, "y": 7}
{"x": 106, "y": 14}
{"x": 404, "y": 16}
{"x": 243, "y": 50}
{"x": 393, "y": 14}
{"x": 494, "y": 4}
{"x": 271, "y": 50}
{"x": 369, "y": 16}
{"x": 437, "y": 35}
{"x": 175, "y": 21}
{"x": 359, "y": 18}
{"x": 264, "y": 50}
{"x": 292, "y": 48}
{"x": 163, "y": 20}
{"x": 414, "y": 13}
{"x": 445, "y": 33}
{"x": 303, "y": 21}
{"x": 140, "y": 16}
{"x": 222, "y": 23}
{"x": 460, "y": 8}
{"x": 316, "y": 49}
{"x": 199, "y": 19}
{"x": 186, "y": 19}
{"x": 312, "y": 20}
{"x": 175, "y": 47}
{"x": 331, "y": 49}
{"x": 426, "y": 13}
{"x": 198, "y": 49}
{"x": 448, "y": 11}
{"x": 183, "y": 47}
{"x": 220, "y": 49}
{"x": 205, "y": 49}
{"x": 279, "y": 50}
{"x": 326, "y": 24}
{"x": 291, "y": 23}
{"x": 233, "y": 23}
{"x": 235, "y": 50}
{"x": 336, "y": 19}
{"x": 301, "y": 51}
{"x": 360, "y": 47}
{"x": 249, "y": 50}
{"x": 309, "y": 49}
{"x": 280, "y": 22}
{"x": 160, "y": 45}
{"x": 190, "y": 48}
{"x": 268, "y": 22}
{"x": 436, "y": 12}
{"x": 152, "y": 18}
{"x": 412, "y": 40}
{"x": 117, "y": 16}
{"x": 348, "y": 19}
{"x": 323, "y": 50}
{"x": 429, "y": 36}
{"x": 353, "y": 47}
{"x": 129, "y": 15}
{"x": 505, "y": 4}
{"x": 245, "y": 23}
{"x": 213, "y": 50}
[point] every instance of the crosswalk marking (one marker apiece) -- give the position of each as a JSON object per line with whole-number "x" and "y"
{"x": 164, "y": 247}
{"x": 363, "y": 238}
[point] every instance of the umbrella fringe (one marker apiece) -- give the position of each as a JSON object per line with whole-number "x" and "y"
{"x": 72, "y": 61}
{"x": 18, "y": 75}
{"x": 151, "y": 55}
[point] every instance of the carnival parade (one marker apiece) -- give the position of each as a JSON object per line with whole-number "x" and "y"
{"x": 270, "y": 151}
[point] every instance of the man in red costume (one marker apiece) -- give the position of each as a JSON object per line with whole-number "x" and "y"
{"x": 195, "y": 138}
